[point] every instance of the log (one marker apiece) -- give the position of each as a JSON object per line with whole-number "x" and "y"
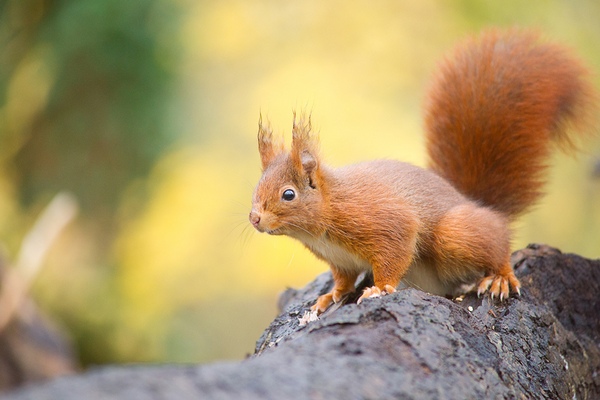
{"x": 544, "y": 344}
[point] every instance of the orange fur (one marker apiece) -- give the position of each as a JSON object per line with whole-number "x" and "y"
{"x": 492, "y": 112}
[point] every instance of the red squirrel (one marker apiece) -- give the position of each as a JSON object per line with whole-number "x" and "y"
{"x": 492, "y": 115}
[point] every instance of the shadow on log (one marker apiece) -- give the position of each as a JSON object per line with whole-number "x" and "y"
{"x": 545, "y": 344}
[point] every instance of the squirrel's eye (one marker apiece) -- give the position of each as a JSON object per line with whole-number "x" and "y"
{"x": 288, "y": 195}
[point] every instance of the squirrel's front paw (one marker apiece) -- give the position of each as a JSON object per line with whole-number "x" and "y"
{"x": 374, "y": 291}
{"x": 323, "y": 303}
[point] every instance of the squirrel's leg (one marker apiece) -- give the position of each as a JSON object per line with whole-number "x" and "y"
{"x": 390, "y": 267}
{"x": 472, "y": 241}
{"x": 343, "y": 283}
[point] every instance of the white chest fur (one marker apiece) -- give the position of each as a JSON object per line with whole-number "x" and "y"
{"x": 335, "y": 254}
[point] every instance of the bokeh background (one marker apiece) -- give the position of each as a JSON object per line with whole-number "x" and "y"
{"x": 146, "y": 111}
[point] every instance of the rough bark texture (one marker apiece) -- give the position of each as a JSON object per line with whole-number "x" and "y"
{"x": 545, "y": 344}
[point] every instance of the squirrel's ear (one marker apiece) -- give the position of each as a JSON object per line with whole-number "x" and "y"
{"x": 304, "y": 147}
{"x": 309, "y": 162}
{"x": 268, "y": 147}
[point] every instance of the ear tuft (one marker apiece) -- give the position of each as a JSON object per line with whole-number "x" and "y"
{"x": 305, "y": 146}
{"x": 268, "y": 147}
{"x": 301, "y": 130}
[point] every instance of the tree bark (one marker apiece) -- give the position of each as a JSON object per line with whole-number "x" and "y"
{"x": 544, "y": 344}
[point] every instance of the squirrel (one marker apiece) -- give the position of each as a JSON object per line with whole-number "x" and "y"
{"x": 494, "y": 111}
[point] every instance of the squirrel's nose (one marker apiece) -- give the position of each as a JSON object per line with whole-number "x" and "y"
{"x": 254, "y": 218}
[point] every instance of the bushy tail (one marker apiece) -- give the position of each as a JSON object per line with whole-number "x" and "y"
{"x": 494, "y": 110}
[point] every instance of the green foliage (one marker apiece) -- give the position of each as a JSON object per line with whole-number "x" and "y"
{"x": 103, "y": 121}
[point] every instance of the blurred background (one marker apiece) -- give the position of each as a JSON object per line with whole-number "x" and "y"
{"x": 146, "y": 112}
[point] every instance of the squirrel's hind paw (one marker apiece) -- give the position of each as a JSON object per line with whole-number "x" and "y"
{"x": 499, "y": 285}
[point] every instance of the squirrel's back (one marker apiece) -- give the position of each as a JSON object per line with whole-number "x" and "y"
{"x": 493, "y": 111}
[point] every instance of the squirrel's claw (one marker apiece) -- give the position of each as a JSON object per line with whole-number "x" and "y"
{"x": 323, "y": 303}
{"x": 499, "y": 285}
{"x": 368, "y": 293}
{"x": 484, "y": 285}
{"x": 374, "y": 291}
